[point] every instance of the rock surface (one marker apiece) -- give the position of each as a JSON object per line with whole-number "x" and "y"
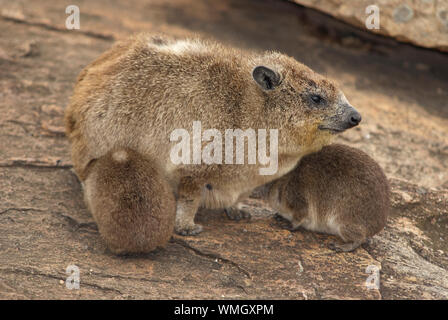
{"x": 423, "y": 22}
{"x": 400, "y": 90}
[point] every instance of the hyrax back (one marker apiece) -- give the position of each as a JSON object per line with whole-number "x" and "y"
{"x": 141, "y": 90}
{"x": 131, "y": 202}
{"x": 339, "y": 190}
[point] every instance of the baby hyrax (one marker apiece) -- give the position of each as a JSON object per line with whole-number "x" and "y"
{"x": 147, "y": 94}
{"x": 131, "y": 202}
{"x": 338, "y": 190}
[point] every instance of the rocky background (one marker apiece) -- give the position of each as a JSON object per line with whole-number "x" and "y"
{"x": 400, "y": 89}
{"x": 421, "y": 22}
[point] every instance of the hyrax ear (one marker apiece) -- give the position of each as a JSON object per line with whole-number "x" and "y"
{"x": 266, "y": 78}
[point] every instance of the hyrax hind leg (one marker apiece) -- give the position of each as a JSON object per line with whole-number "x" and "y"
{"x": 188, "y": 201}
{"x": 131, "y": 202}
{"x": 237, "y": 211}
{"x": 353, "y": 237}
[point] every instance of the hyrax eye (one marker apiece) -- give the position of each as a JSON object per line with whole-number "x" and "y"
{"x": 317, "y": 98}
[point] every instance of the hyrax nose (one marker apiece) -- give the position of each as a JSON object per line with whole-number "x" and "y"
{"x": 354, "y": 118}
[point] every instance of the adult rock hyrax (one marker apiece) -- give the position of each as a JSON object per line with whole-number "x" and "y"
{"x": 339, "y": 190}
{"x": 130, "y": 200}
{"x": 140, "y": 91}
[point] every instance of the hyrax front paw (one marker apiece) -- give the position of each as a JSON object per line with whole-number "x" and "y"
{"x": 346, "y": 247}
{"x": 236, "y": 214}
{"x": 278, "y": 217}
{"x": 189, "y": 230}
{"x": 283, "y": 222}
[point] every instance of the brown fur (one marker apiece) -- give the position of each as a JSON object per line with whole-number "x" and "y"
{"x": 139, "y": 91}
{"x": 131, "y": 202}
{"x": 338, "y": 190}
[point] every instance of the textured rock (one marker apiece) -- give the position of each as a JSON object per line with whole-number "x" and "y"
{"x": 421, "y": 22}
{"x": 401, "y": 92}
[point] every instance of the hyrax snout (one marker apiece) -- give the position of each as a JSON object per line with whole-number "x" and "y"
{"x": 131, "y": 201}
{"x": 339, "y": 190}
{"x": 143, "y": 89}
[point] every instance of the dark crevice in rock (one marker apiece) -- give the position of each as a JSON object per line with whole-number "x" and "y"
{"x": 211, "y": 256}
{"x": 32, "y": 165}
{"x": 20, "y": 209}
{"x": 51, "y": 27}
{"x": 47, "y": 275}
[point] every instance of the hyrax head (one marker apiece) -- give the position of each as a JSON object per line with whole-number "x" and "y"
{"x": 307, "y": 108}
